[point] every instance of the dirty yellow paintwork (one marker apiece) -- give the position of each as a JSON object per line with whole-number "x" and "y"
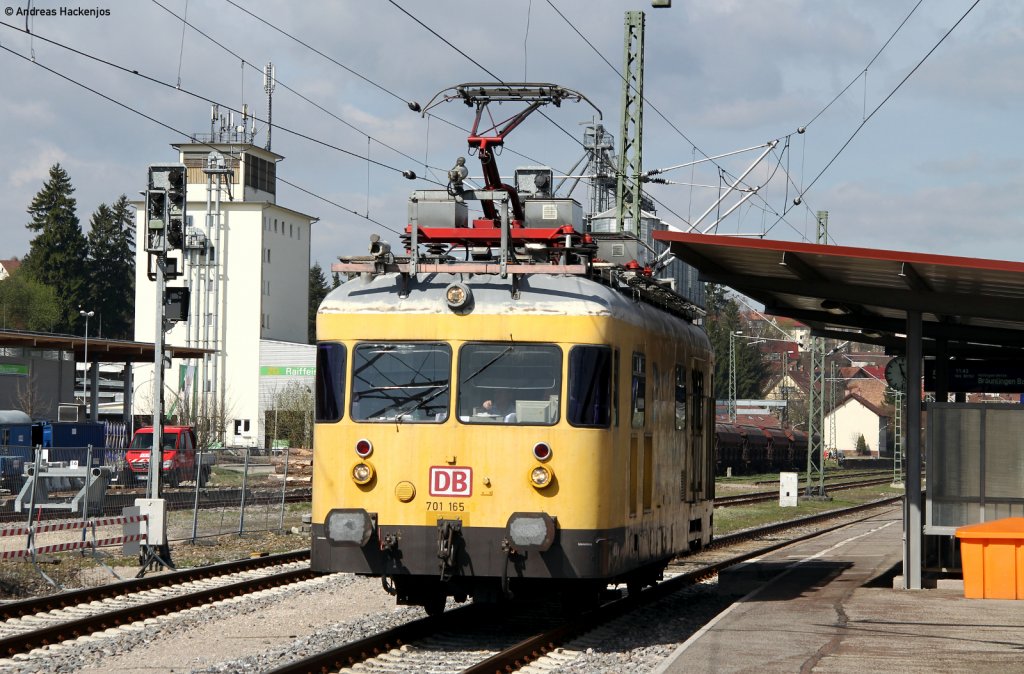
{"x": 592, "y": 467}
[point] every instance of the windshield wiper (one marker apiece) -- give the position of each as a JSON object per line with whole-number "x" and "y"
{"x": 441, "y": 389}
{"x": 489, "y": 363}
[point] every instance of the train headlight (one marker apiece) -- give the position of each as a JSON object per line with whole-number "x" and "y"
{"x": 349, "y": 526}
{"x": 541, "y": 477}
{"x": 531, "y": 530}
{"x": 362, "y": 472}
{"x": 458, "y": 296}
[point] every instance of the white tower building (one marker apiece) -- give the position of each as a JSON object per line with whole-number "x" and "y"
{"x": 247, "y": 265}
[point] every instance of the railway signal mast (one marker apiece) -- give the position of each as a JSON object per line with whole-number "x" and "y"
{"x": 165, "y": 241}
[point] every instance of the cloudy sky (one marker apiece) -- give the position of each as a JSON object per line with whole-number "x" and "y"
{"x": 934, "y": 168}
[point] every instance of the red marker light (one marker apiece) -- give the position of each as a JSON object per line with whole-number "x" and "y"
{"x": 542, "y": 451}
{"x": 364, "y": 448}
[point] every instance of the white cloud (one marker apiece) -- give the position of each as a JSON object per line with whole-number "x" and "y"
{"x": 942, "y": 152}
{"x": 35, "y": 169}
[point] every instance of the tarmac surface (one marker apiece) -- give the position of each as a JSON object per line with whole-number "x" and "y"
{"x": 828, "y": 605}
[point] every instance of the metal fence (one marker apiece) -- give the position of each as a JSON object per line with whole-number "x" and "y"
{"x": 226, "y": 491}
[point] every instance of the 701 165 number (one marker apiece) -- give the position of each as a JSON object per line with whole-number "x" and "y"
{"x": 449, "y": 506}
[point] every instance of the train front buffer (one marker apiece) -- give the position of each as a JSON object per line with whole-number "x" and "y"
{"x": 460, "y": 522}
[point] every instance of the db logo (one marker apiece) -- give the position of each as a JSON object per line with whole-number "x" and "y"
{"x": 451, "y": 481}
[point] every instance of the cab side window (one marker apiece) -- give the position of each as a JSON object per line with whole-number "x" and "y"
{"x": 680, "y": 398}
{"x": 638, "y": 389}
{"x": 697, "y": 420}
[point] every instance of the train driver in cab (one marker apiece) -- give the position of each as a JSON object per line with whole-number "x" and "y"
{"x": 500, "y": 405}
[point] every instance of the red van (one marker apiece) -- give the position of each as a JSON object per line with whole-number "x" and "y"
{"x": 179, "y": 455}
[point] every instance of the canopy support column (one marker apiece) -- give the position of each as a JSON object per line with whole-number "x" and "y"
{"x": 912, "y": 520}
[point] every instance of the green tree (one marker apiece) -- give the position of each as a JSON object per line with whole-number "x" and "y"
{"x": 751, "y": 371}
{"x": 291, "y": 417}
{"x": 57, "y": 254}
{"x": 27, "y": 304}
{"x": 862, "y": 446}
{"x": 111, "y": 269}
{"x": 318, "y": 290}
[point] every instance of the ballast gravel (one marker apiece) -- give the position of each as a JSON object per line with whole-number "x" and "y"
{"x": 260, "y": 632}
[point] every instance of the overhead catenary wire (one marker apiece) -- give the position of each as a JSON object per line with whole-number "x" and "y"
{"x": 171, "y": 128}
{"x": 864, "y": 72}
{"x": 412, "y": 104}
{"x": 314, "y": 103}
{"x": 501, "y": 81}
{"x": 482, "y": 67}
{"x": 653, "y": 107}
{"x": 890, "y": 95}
{"x": 213, "y": 101}
{"x": 801, "y": 191}
{"x": 279, "y": 83}
{"x": 181, "y": 47}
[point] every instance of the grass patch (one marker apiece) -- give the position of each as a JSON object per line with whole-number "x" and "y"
{"x": 731, "y": 520}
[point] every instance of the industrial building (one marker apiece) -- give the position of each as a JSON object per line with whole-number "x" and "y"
{"x": 246, "y": 260}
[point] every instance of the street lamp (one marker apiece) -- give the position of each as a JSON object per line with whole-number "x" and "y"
{"x": 85, "y": 370}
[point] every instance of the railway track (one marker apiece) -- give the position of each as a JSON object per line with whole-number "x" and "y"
{"x": 757, "y": 497}
{"x": 178, "y": 498}
{"x": 840, "y": 474}
{"x": 480, "y": 640}
{"x": 44, "y": 621}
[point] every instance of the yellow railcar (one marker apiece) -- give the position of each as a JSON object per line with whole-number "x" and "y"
{"x": 500, "y": 412}
{"x": 551, "y": 435}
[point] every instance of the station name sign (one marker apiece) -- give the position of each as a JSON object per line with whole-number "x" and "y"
{"x": 982, "y": 376}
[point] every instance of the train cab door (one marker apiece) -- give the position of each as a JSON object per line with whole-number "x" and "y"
{"x": 696, "y": 456}
{"x": 640, "y": 441}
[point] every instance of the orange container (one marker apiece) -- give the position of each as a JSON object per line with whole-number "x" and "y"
{"x": 993, "y": 559}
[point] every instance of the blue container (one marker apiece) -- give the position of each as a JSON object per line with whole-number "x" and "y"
{"x": 77, "y": 434}
{"x": 16, "y": 435}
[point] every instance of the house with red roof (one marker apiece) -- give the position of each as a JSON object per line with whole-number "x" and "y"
{"x": 8, "y": 267}
{"x": 852, "y": 418}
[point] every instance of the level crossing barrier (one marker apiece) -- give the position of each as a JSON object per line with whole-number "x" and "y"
{"x": 89, "y": 537}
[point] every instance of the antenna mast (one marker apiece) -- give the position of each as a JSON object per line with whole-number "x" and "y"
{"x": 269, "y": 82}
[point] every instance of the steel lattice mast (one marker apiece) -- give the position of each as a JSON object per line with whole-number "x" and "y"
{"x": 627, "y": 188}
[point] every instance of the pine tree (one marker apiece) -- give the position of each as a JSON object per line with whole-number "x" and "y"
{"x": 862, "y": 446}
{"x": 57, "y": 254}
{"x": 318, "y": 290}
{"x": 112, "y": 269}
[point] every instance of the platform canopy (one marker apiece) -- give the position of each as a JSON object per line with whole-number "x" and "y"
{"x": 970, "y": 307}
{"x": 100, "y": 349}
{"x": 912, "y": 303}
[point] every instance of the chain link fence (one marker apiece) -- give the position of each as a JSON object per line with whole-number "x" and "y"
{"x": 211, "y": 493}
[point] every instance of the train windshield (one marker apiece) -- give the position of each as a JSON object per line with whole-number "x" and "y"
{"x": 504, "y": 383}
{"x": 401, "y": 381}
